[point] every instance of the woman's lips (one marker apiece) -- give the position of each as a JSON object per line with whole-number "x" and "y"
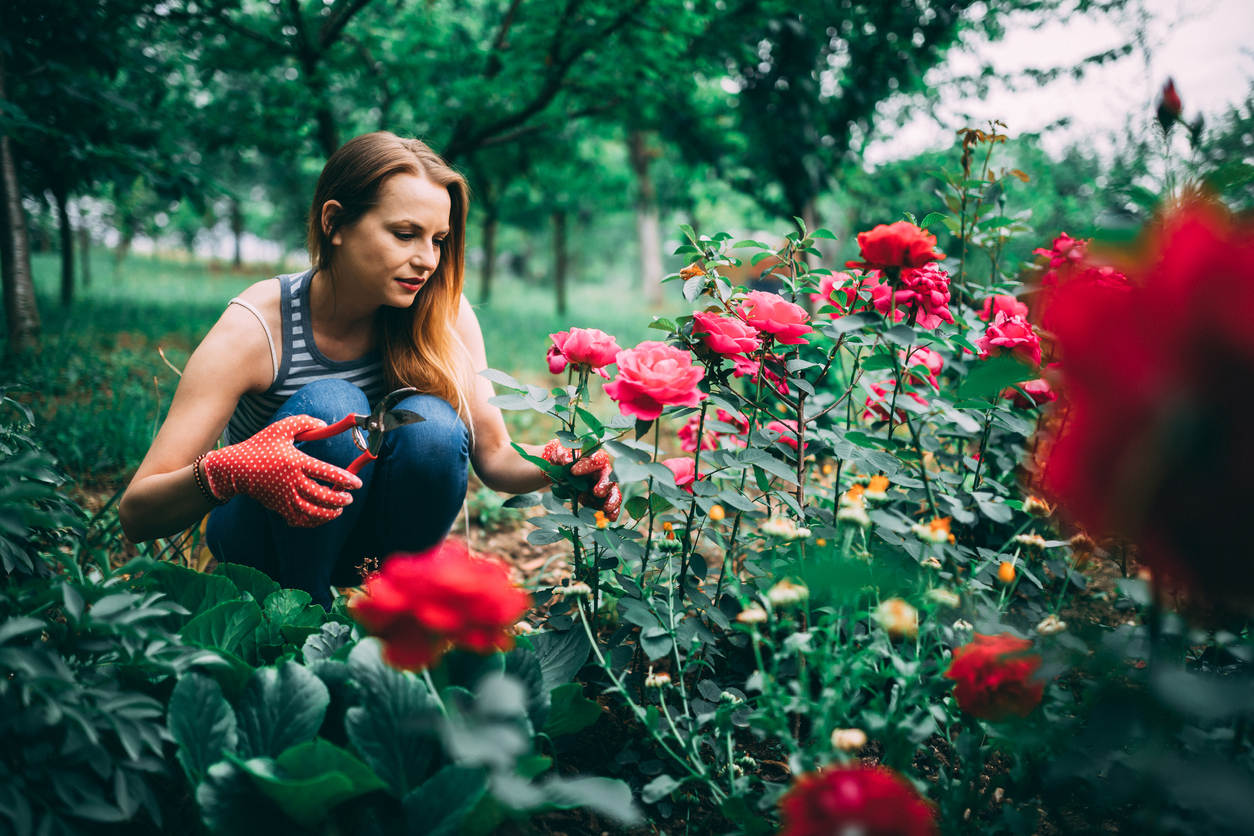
{"x": 411, "y": 284}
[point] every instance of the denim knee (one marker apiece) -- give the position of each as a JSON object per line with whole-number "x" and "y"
{"x": 440, "y": 441}
{"x": 329, "y": 399}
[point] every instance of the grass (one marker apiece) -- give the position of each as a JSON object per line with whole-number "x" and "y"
{"x": 99, "y": 387}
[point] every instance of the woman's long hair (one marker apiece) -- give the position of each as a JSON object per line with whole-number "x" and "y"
{"x": 420, "y": 344}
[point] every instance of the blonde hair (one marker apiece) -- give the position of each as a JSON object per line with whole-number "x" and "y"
{"x": 421, "y": 347}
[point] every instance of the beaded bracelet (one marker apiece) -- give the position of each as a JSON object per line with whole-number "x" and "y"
{"x": 200, "y": 481}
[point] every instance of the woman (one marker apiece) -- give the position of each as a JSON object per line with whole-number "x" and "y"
{"x": 382, "y": 308}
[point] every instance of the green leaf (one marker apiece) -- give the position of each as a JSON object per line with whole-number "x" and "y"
{"x": 232, "y": 805}
{"x": 571, "y": 710}
{"x": 288, "y": 607}
{"x": 202, "y": 723}
{"x": 656, "y": 642}
{"x": 307, "y": 801}
{"x": 591, "y": 420}
{"x": 195, "y": 591}
{"x": 247, "y": 579}
{"x": 223, "y": 627}
{"x": 524, "y": 665}
{"x": 737, "y": 810}
{"x": 502, "y": 378}
{"x": 20, "y": 626}
{"x": 993, "y": 375}
{"x": 230, "y": 672}
{"x": 394, "y": 727}
{"x": 608, "y": 796}
{"x": 663, "y": 324}
{"x": 657, "y": 789}
{"x": 777, "y": 468}
{"x": 561, "y": 654}
{"x": 933, "y": 217}
{"x": 825, "y": 233}
{"x": 438, "y": 806}
{"x": 281, "y": 706}
{"x": 323, "y": 644}
{"x": 638, "y": 507}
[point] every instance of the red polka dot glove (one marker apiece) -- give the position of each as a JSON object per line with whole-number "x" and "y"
{"x": 605, "y": 495}
{"x": 270, "y": 469}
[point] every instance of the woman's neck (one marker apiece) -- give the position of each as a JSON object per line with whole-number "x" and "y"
{"x": 340, "y": 317}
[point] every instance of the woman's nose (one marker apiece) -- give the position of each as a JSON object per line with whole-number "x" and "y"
{"x": 427, "y": 257}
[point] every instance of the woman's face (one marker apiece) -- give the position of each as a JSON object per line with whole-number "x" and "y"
{"x": 393, "y": 250}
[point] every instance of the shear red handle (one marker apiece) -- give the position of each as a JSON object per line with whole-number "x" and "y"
{"x": 346, "y": 423}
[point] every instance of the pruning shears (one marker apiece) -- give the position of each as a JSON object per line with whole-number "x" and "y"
{"x": 368, "y": 430}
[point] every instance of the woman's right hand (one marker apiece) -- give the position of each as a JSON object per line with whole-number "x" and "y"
{"x": 270, "y": 469}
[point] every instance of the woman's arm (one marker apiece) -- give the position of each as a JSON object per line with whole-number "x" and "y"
{"x": 162, "y": 498}
{"x": 497, "y": 464}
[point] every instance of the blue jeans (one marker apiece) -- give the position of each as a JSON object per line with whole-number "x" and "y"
{"x": 407, "y": 502}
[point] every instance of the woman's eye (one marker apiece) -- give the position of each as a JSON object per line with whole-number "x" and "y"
{"x": 440, "y": 241}
{"x": 404, "y": 236}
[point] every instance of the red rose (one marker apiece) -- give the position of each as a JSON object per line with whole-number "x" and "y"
{"x": 995, "y": 677}
{"x": 1169, "y": 106}
{"x": 421, "y": 605}
{"x": 725, "y": 335}
{"x": 1039, "y": 391}
{"x": 684, "y": 469}
{"x": 787, "y": 430}
{"x": 894, "y": 246}
{"x": 654, "y": 375}
{"x": 927, "y": 288}
{"x": 588, "y": 346}
{"x": 770, "y": 313}
{"x": 1156, "y": 424}
{"x": 849, "y": 799}
{"x": 994, "y": 305}
{"x": 1013, "y": 334}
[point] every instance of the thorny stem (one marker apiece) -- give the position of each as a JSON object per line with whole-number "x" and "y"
{"x": 979, "y": 464}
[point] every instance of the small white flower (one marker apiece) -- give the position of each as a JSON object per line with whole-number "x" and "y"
{"x": 729, "y": 698}
{"x": 848, "y": 740}
{"x": 961, "y": 626}
{"x": 932, "y": 562}
{"x": 1037, "y": 507}
{"x": 1052, "y": 625}
{"x": 945, "y": 598}
{"x": 930, "y": 534}
{"x": 578, "y": 589}
{"x": 752, "y": 614}
{"x": 1031, "y": 541}
{"x": 657, "y": 680}
{"x": 854, "y": 514}
{"x": 784, "y": 529}
{"x": 787, "y": 594}
{"x": 899, "y": 619}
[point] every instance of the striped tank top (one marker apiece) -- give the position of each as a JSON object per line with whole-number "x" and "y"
{"x": 302, "y": 363}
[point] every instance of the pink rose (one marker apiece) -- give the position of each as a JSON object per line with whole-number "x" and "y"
{"x": 787, "y": 430}
{"x": 1013, "y": 334}
{"x": 931, "y": 362}
{"x": 688, "y": 437}
{"x": 877, "y": 404}
{"x": 586, "y": 346}
{"x": 1040, "y": 392}
{"x": 725, "y": 335}
{"x": 994, "y": 305}
{"x": 684, "y": 470}
{"x": 770, "y": 313}
{"x": 654, "y": 375}
{"x": 927, "y": 287}
{"x": 750, "y": 367}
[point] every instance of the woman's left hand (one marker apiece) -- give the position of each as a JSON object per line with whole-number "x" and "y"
{"x": 605, "y": 495}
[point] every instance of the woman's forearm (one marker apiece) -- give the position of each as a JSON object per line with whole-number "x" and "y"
{"x": 502, "y": 469}
{"x": 162, "y": 505}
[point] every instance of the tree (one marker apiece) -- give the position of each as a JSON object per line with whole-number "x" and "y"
{"x": 21, "y": 312}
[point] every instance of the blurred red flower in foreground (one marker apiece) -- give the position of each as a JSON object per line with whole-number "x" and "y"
{"x": 868, "y": 801}
{"x": 1155, "y": 428}
{"x": 994, "y": 676}
{"x": 901, "y": 244}
{"x": 422, "y": 605}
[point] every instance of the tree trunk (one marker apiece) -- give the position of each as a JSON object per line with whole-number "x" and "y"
{"x": 67, "y": 248}
{"x": 559, "y": 258}
{"x": 490, "y": 224}
{"x": 237, "y": 228}
{"x": 84, "y": 246}
{"x": 648, "y": 232}
{"x": 21, "y": 312}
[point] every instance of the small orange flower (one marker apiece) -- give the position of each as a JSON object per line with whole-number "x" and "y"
{"x": 854, "y": 493}
{"x": 691, "y": 270}
{"x": 602, "y": 520}
{"x": 879, "y": 484}
{"x": 717, "y": 513}
{"x": 1006, "y": 572}
{"x": 939, "y": 523}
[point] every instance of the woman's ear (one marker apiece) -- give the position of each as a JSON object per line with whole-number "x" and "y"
{"x": 329, "y": 210}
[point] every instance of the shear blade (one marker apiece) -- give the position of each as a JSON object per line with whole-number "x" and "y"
{"x": 399, "y": 418}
